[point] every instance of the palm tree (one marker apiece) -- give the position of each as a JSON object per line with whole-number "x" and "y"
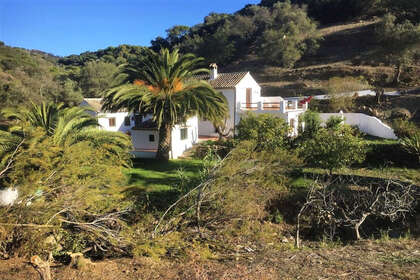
{"x": 163, "y": 85}
{"x": 65, "y": 126}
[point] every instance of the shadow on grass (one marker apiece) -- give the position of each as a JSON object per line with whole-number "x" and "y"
{"x": 155, "y": 185}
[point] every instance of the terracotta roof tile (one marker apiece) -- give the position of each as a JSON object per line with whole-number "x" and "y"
{"x": 223, "y": 80}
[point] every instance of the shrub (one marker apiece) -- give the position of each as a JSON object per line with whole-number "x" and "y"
{"x": 404, "y": 128}
{"x": 412, "y": 144}
{"x": 218, "y": 148}
{"x": 334, "y": 123}
{"x": 312, "y": 122}
{"x": 401, "y": 114}
{"x": 71, "y": 194}
{"x": 333, "y": 149}
{"x": 267, "y": 131}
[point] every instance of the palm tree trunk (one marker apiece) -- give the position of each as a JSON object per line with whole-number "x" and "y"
{"x": 164, "y": 146}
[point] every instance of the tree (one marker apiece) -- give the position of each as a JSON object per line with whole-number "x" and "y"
{"x": 96, "y": 78}
{"x": 268, "y": 132}
{"x": 64, "y": 126}
{"x": 398, "y": 41}
{"x": 333, "y": 149}
{"x": 289, "y": 35}
{"x": 164, "y": 86}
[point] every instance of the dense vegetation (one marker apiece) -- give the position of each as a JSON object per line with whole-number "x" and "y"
{"x": 243, "y": 197}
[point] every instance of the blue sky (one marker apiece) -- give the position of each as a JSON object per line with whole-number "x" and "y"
{"x": 64, "y": 27}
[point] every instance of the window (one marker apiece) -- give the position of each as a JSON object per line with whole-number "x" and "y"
{"x": 151, "y": 138}
{"x": 184, "y": 133}
{"x": 111, "y": 122}
{"x": 127, "y": 121}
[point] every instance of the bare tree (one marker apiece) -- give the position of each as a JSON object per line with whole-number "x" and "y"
{"x": 349, "y": 203}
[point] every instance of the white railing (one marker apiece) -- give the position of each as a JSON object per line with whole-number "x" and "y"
{"x": 282, "y": 106}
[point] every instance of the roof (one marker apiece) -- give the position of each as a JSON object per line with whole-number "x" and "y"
{"x": 223, "y": 80}
{"x": 95, "y": 103}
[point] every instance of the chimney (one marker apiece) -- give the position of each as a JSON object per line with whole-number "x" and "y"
{"x": 213, "y": 71}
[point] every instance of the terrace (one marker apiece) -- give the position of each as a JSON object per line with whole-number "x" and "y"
{"x": 274, "y": 104}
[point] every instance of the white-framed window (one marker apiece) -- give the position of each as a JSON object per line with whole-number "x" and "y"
{"x": 151, "y": 138}
{"x": 111, "y": 122}
{"x": 184, "y": 133}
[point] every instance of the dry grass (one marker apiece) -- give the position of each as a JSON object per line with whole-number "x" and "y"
{"x": 387, "y": 259}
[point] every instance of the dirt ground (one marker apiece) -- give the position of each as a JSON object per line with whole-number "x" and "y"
{"x": 398, "y": 259}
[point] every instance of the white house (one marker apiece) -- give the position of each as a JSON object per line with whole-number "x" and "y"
{"x": 244, "y": 94}
{"x": 143, "y": 131}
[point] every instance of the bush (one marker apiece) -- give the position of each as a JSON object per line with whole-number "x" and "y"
{"x": 267, "y": 131}
{"x": 400, "y": 114}
{"x": 71, "y": 195}
{"x": 333, "y": 149}
{"x": 412, "y": 145}
{"x": 312, "y": 122}
{"x": 334, "y": 123}
{"x": 218, "y": 148}
{"x": 404, "y": 128}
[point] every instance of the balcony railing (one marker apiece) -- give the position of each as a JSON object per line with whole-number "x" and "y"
{"x": 249, "y": 106}
{"x": 282, "y": 106}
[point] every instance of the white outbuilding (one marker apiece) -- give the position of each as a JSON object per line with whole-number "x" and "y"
{"x": 143, "y": 131}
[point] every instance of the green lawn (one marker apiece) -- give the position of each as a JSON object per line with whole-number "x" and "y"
{"x": 158, "y": 182}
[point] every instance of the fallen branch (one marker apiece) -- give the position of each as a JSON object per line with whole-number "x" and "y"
{"x": 9, "y": 163}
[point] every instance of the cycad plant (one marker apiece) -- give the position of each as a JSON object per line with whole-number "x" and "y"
{"x": 163, "y": 86}
{"x": 65, "y": 127}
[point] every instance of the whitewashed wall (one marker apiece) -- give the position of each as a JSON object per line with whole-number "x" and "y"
{"x": 103, "y": 119}
{"x": 180, "y": 146}
{"x": 144, "y": 148}
{"x": 248, "y": 82}
{"x": 206, "y": 128}
{"x": 140, "y": 139}
{"x": 367, "y": 124}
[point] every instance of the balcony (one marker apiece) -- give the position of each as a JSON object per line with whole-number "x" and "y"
{"x": 282, "y": 106}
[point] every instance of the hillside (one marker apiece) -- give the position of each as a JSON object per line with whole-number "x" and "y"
{"x": 31, "y": 76}
{"x": 347, "y": 50}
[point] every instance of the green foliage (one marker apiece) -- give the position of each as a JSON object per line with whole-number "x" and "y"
{"x": 412, "y": 144}
{"x": 223, "y": 38}
{"x": 404, "y": 128}
{"x": 288, "y": 36}
{"x": 333, "y": 149}
{"x": 398, "y": 40}
{"x": 218, "y": 149}
{"x": 28, "y": 75}
{"x": 65, "y": 127}
{"x": 163, "y": 85}
{"x": 334, "y": 123}
{"x": 115, "y": 55}
{"x": 96, "y": 78}
{"x": 76, "y": 183}
{"x": 312, "y": 122}
{"x": 268, "y": 132}
{"x": 337, "y": 11}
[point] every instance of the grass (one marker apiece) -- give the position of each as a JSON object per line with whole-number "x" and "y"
{"x": 160, "y": 183}
{"x": 153, "y": 175}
